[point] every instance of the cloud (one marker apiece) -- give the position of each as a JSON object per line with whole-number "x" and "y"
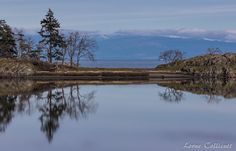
{"x": 224, "y": 35}
{"x": 184, "y": 33}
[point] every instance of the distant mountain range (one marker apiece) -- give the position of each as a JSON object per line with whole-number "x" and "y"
{"x": 138, "y": 45}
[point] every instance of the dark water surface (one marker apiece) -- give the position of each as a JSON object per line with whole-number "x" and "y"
{"x": 59, "y": 116}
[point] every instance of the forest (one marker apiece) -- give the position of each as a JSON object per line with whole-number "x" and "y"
{"x": 53, "y": 47}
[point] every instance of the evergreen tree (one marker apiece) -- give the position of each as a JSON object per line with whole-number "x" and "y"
{"x": 7, "y": 41}
{"x": 38, "y": 52}
{"x": 51, "y": 37}
{"x": 59, "y": 50}
{"x": 35, "y": 54}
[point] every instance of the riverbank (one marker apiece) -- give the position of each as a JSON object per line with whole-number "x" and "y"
{"x": 109, "y": 74}
{"x": 218, "y": 66}
{"x": 13, "y": 68}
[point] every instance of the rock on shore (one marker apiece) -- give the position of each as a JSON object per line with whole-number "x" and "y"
{"x": 211, "y": 65}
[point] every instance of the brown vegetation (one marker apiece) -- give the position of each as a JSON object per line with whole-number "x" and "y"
{"x": 211, "y": 65}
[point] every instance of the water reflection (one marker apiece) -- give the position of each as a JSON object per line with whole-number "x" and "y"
{"x": 171, "y": 95}
{"x": 7, "y": 108}
{"x": 53, "y": 101}
{"x": 56, "y": 105}
{"x": 39, "y": 115}
{"x": 212, "y": 90}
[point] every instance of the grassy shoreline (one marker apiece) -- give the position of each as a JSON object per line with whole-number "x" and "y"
{"x": 14, "y": 68}
{"x": 101, "y": 75}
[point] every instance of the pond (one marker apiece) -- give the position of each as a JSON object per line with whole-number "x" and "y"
{"x": 72, "y": 116}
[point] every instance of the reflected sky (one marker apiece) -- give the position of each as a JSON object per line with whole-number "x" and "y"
{"x": 123, "y": 117}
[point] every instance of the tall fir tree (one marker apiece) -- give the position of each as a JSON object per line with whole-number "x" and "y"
{"x": 7, "y": 41}
{"x": 51, "y": 37}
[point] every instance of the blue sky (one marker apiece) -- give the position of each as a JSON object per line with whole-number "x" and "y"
{"x": 114, "y": 15}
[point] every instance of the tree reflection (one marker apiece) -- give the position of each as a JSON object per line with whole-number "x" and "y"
{"x": 50, "y": 113}
{"x": 53, "y": 106}
{"x": 171, "y": 95}
{"x": 212, "y": 99}
{"x": 85, "y": 103}
{"x": 7, "y": 108}
{"x": 24, "y": 105}
{"x": 213, "y": 90}
{"x": 57, "y": 106}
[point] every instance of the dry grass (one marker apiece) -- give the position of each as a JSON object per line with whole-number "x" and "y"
{"x": 16, "y": 67}
{"x": 207, "y": 65}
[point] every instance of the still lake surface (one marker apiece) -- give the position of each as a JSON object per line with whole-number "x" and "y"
{"x": 135, "y": 117}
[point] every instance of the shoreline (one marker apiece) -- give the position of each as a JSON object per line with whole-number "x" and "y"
{"x": 108, "y": 74}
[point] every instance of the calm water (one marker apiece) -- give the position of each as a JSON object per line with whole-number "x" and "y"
{"x": 145, "y": 117}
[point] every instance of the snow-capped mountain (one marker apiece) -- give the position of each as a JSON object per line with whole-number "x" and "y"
{"x": 146, "y": 45}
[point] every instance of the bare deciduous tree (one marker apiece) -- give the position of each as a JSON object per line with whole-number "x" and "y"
{"x": 25, "y": 46}
{"x": 170, "y": 56}
{"x": 86, "y": 48}
{"x": 63, "y": 48}
{"x": 213, "y": 51}
{"x": 29, "y": 47}
{"x": 72, "y": 45}
{"x": 80, "y": 46}
{"x": 20, "y": 41}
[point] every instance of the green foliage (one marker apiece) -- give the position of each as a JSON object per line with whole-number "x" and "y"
{"x": 7, "y": 108}
{"x": 51, "y": 37}
{"x": 7, "y": 41}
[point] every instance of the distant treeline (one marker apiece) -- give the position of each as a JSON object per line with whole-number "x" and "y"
{"x": 53, "y": 46}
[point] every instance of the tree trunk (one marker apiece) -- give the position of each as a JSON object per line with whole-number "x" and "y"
{"x": 71, "y": 61}
{"x": 50, "y": 50}
{"x": 50, "y": 54}
{"x": 63, "y": 59}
